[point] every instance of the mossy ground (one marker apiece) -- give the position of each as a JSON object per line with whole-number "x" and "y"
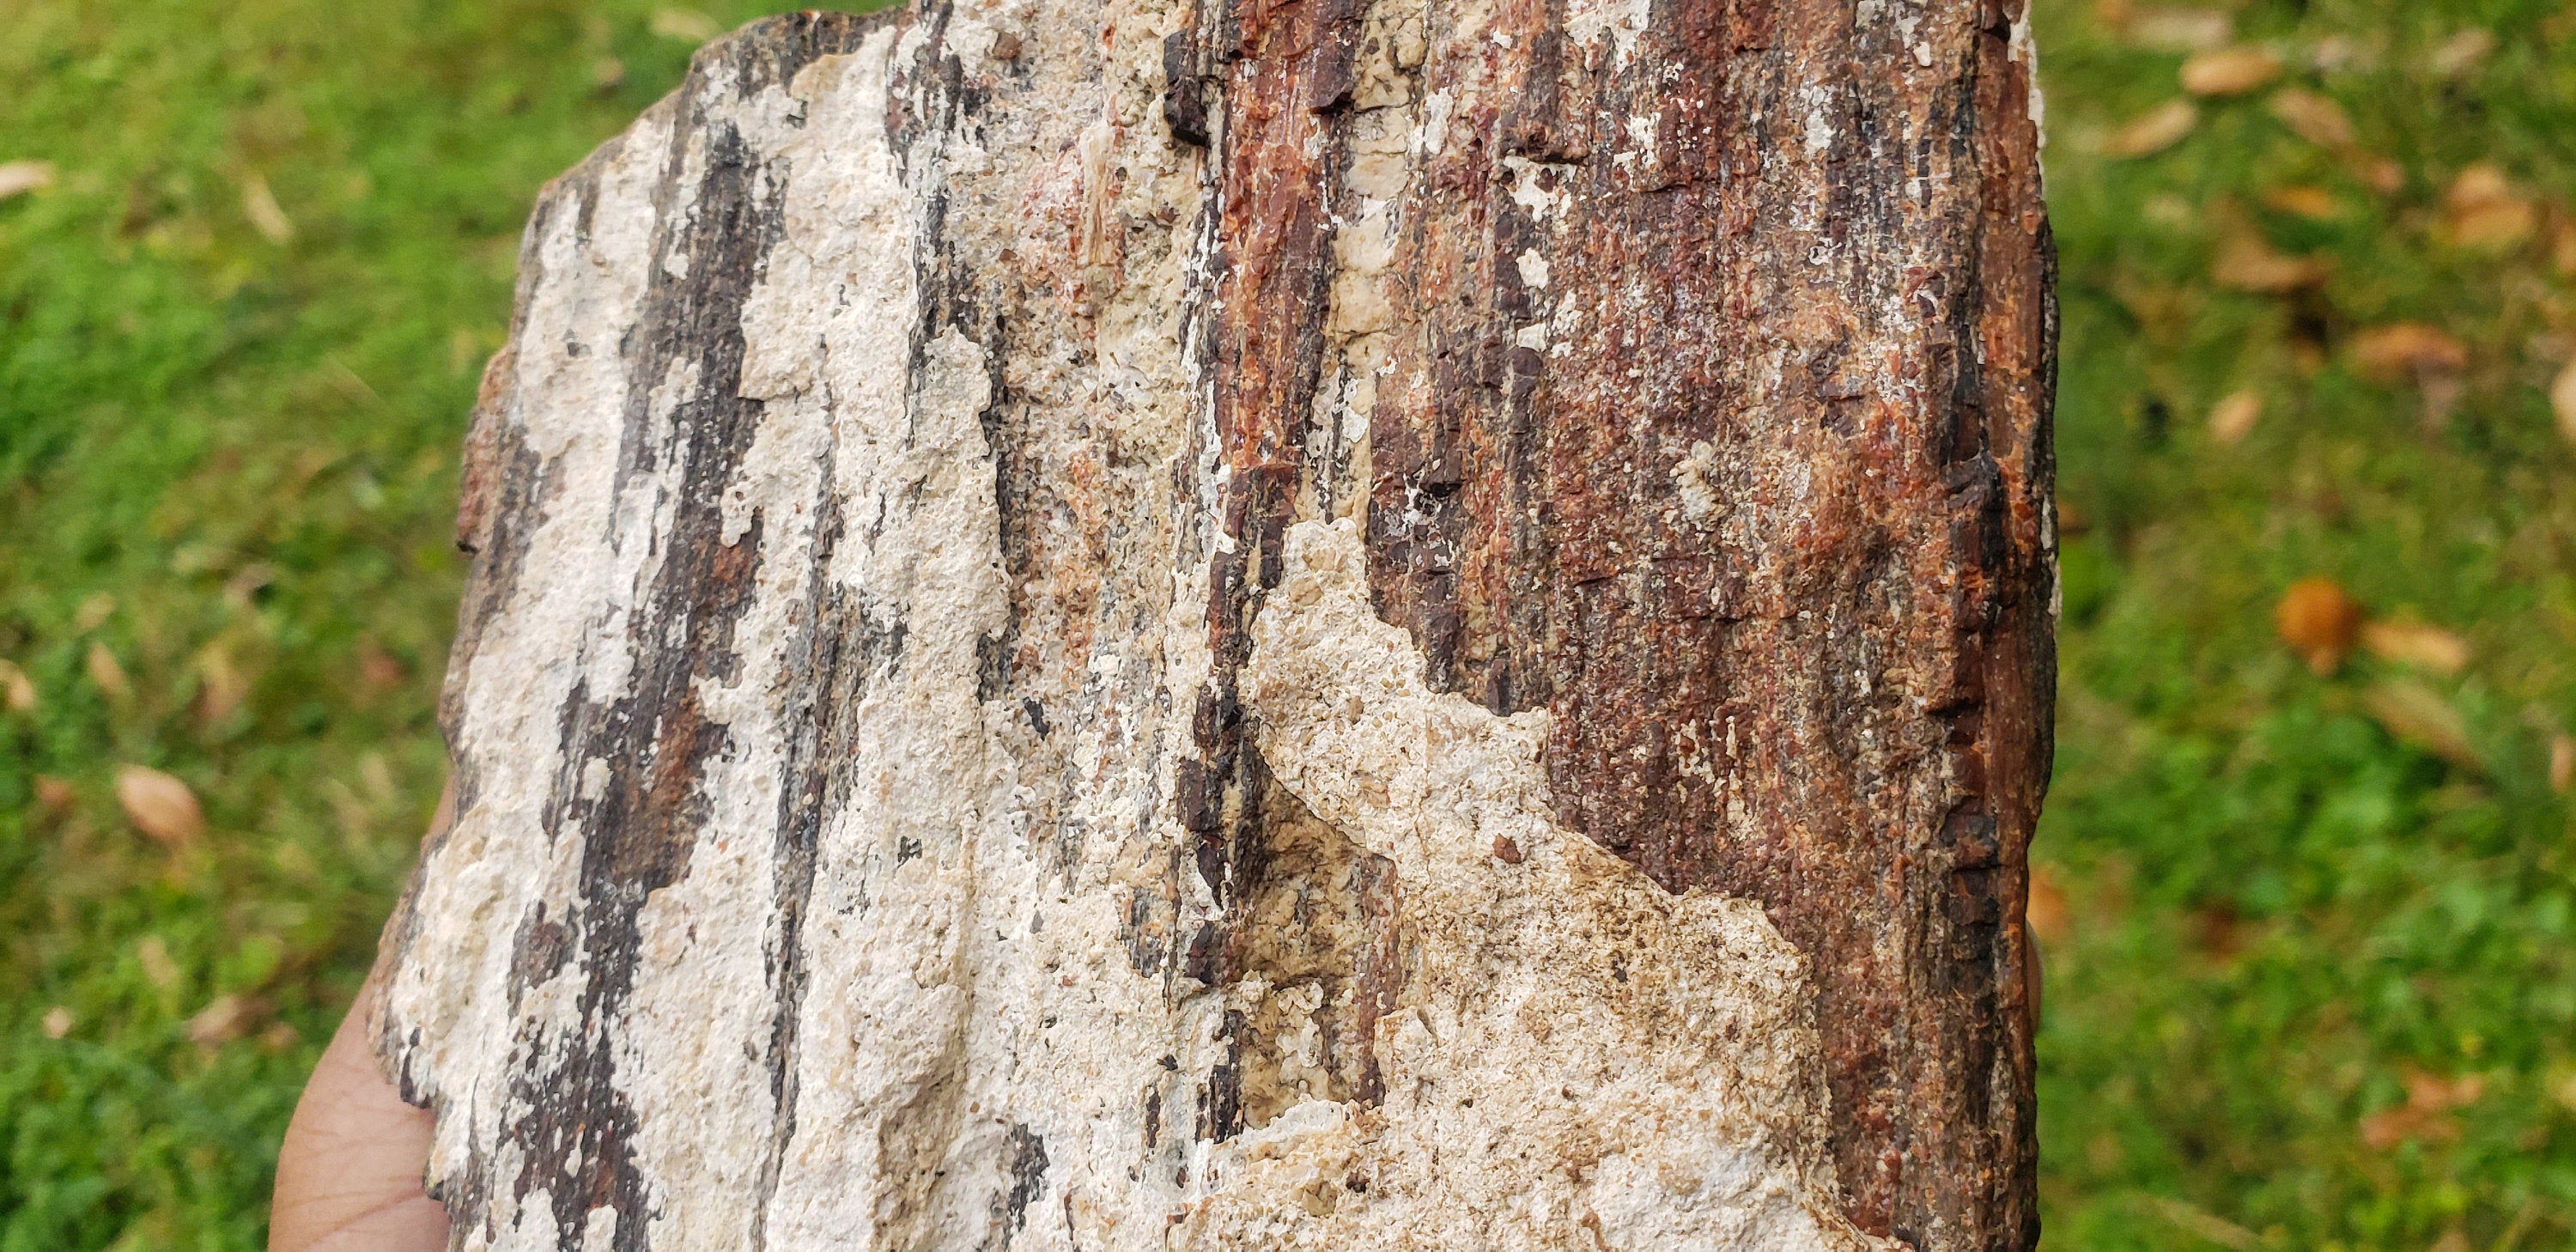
{"x": 2309, "y": 936}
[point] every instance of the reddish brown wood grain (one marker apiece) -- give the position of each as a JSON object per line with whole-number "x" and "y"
{"x": 1763, "y": 522}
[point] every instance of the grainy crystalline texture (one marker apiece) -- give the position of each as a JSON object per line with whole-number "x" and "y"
{"x": 1321, "y": 624}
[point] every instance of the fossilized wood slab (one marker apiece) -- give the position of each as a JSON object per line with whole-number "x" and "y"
{"x": 1316, "y": 624}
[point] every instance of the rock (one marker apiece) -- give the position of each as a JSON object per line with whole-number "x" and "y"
{"x": 1123, "y": 627}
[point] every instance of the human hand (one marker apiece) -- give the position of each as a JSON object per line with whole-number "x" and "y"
{"x": 349, "y": 1173}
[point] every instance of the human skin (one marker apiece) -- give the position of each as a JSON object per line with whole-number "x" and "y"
{"x": 349, "y": 1172}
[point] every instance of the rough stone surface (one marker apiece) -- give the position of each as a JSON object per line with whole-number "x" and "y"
{"x": 1265, "y": 624}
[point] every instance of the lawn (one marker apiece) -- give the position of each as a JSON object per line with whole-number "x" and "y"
{"x": 2307, "y": 901}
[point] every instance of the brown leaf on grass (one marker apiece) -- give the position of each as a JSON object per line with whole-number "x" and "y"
{"x": 378, "y": 671}
{"x": 226, "y": 1018}
{"x": 2312, "y": 117}
{"x": 159, "y": 805}
{"x": 2401, "y": 351}
{"x": 58, "y": 1022}
{"x": 2562, "y": 763}
{"x": 2153, "y": 131}
{"x": 2230, "y": 71}
{"x": 17, "y": 178}
{"x": 2426, "y": 1116}
{"x": 54, "y": 793}
{"x": 2205, "y": 1224}
{"x": 2178, "y": 30}
{"x": 2047, "y": 910}
{"x": 259, "y": 204}
{"x": 2318, "y": 621}
{"x": 94, "y": 611}
{"x": 246, "y": 582}
{"x": 16, "y": 689}
{"x": 2246, "y": 263}
{"x": 2233, "y": 418}
{"x": 154, "y": 956}
{"x": 279, "y": 1037}
{"x": 2417, "y": 714}
{"x": 2303, "y": 200}
{"x": 686, "y": 25}
{"x": 107, "y": 674}
{"x": 2375, "y": 172}
{"x": 2461, "y": 53}
{"x": 2219, "y": 930}
{"x": 2418, "y": 644}
{"x": 223, "y": 685}
{"x": 2483, "y": 212}
{"x": 2562, "y": 401}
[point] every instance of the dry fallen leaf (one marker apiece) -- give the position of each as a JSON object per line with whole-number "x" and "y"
{"x": 2562, "y": 763}
{"x": 107, "y": 674}
{"x": 2153, "y": 131}
{"x": 159, "y": 805}
{"x": 2312, "y": 117}
{"x": 154, "y": 955}
{"x": 2205, "y": 1224}
{"x": 2230, "y": 71}
{"x": 2419, "y": 715}
{"x": 2047, "y": 911}
{"x": 16, "y": 689}
{"x": 2418, "y": 644}
{"x": 2399, "y": 351}
{"x": 2318, "y": 621}
{"x": 2378, "y": 173}
{"x": 2231, "y": 419}
{"x": 2564, "y": 400}
{"x": 2426, "y": 1114}
{"x": 378, "y": 671}
{"x": 58, "y": 1022}
{"x": 2246, "y": 263}
{"x": 241, "y": 590}
{"x": 17, "y": 178}
{"x": 2312, "y": 202}
{"x": 259, "y": 204}
{"x": 2484, "y": 213}
{"x": 2179, "y": 30}
{"x": 685, "y": 24}
{"x": 223, "y": 685}
{"x": 2461, "y": 53}
{"x": 94, "y": 611}
{"x": 227, "y": 1018}
{"x": 55, "y": 793}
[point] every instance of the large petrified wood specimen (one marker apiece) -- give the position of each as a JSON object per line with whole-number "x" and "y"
{"x": 1326, "y": 623}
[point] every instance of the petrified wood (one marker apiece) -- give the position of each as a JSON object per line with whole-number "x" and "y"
{"x": 1328, "y": 624}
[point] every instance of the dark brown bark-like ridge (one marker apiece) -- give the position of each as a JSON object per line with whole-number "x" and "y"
{"x": 864, "y": 835}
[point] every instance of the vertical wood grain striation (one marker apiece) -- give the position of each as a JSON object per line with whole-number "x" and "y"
{"x": 1059, "y": 594}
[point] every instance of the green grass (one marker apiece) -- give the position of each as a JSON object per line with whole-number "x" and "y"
{"x": 2279, "y": 909}
{"x": 227, "y": 462}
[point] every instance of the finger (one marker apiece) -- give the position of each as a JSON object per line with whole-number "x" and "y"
{"x": 349, "y": 1173}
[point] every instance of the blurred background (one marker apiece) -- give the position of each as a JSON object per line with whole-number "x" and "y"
{"x": 2307, "y": 879}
